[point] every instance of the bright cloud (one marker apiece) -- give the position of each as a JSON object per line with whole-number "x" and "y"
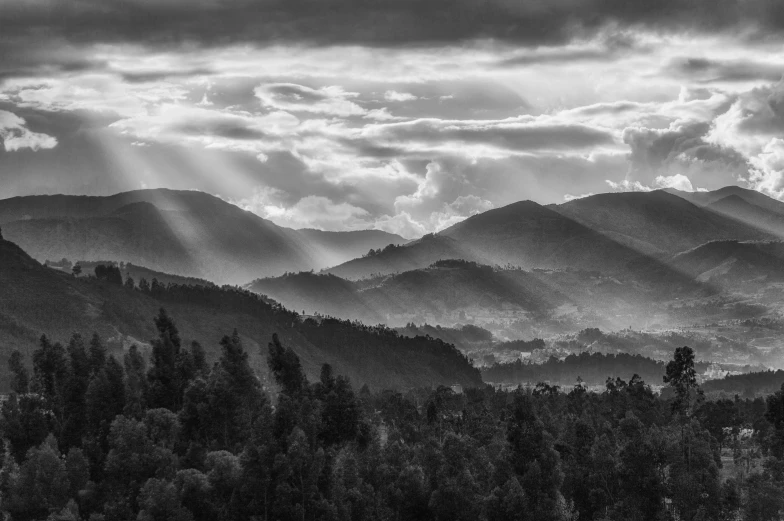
{"x": 16, "y": 136}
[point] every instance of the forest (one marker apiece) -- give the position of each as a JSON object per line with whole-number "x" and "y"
{"x": 592, "y": 368}
{"x": 89, "y": 436}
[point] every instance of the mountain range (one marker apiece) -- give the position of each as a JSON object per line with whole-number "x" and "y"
{"x": 609, "y": 260}
{"x": 612, "y": 260}
{"x": 179, "y": 232}
{"x": 602, "y": 232}
{"x": 37, "y": 300}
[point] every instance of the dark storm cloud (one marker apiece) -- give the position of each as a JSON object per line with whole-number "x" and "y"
{"x": 382, "y": 22}
{"x": 709, "y": 71}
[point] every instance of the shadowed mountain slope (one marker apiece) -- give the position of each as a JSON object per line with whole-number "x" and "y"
{"x": 604, "y": 232}
{"x": 181, "y": 232}
{"x": 661, "y": 221}
{"x": 441, "y": 292}
{"x": 523, "y": 234}
{"x": 733, "y": 261}
{"x": 36, "y": 300}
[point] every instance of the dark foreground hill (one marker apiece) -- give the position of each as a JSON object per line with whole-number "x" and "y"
{"x": 181, "y": 232}
{"x": 36, "y": 300}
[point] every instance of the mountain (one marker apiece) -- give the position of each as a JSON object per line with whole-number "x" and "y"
{"x": 181, "y": 232}
{"x": 604, "y": 232}
{"x": 447, "y": 291}
{"x": 523, "y": 234}
{"x": 38, "y": 300}
{"x": 740, "y": 209}
{"x": 750, "y": 207}
{"x": 733, "y": 262}
{"x": 334, "y": 248}
{"x": 656, "y": 222}
{"x": 750, "y": 196}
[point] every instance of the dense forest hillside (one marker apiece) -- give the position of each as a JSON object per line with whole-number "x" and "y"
{"x": 748, "y": 385}
{"x": 181, "y": 232}
{"x": 591, "y": 368}
{"x": 37, "y": 300}
{"x": 89, "y": 436}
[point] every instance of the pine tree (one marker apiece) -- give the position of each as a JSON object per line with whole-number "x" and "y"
{"x": 97, "y": 354}
{"x": 74, "y": 420}
{"x": 20, "y": 383}
{"x": 286, "y": 368}
{"x": 165, "y": 387}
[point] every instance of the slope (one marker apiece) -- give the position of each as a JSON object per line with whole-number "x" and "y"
{"x": 182, "y": 232}
{"x": 733, "y": 262}
{"x": 444, "y": 292}
{"x": 523, "y": 234}
{"x": 742, "y": 210}
{"x": 659, "y": 221}
{"x": 36, "y": 300}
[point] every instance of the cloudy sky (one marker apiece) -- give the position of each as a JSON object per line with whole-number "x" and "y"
{"x": 401, "y": 115}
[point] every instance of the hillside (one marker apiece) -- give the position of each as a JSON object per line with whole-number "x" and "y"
{"x": 657, "y": 222}
{"x": 733, "y": 262}
{"x": 447, "y": 291}
{"x": 750, "y": 196}
{"x": 510, "y": 302}
{"x": 742, "y": 210}
{"x": 523, "y": 234}
{"x": 604, "y": 232}
{"x": 181, "y": 232}
{"x": 36, "y": 300}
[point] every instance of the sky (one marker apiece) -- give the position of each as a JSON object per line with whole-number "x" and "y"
{"x": 400, "y": 115}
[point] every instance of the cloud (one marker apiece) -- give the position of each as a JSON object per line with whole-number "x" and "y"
{"x": 767, "y": 172}
{"x": 380, "y": 23}
{"x": 401, "y": 224}
{"x": 220, "y": 129}
{"x": 753, "y": 127}
{"x": 628, "y": 186}
{"x": 16, "y": 135}
{"x": 677, "y": 181}
{"x": 331, "y": 100}
{"x": 392, "y": 95}
{"x": 458, "y": 210}
{"x": 513, "y": 135}
{"x": 309, "y": 212}
{"x": 570, "y": 197}
{"x": 706, "y": 70}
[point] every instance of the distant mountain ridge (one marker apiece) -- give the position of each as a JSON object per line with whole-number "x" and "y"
{"x": 182, "y": 232}
{"x": 439, "y": 292}
{"x": 604, "y": 232}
